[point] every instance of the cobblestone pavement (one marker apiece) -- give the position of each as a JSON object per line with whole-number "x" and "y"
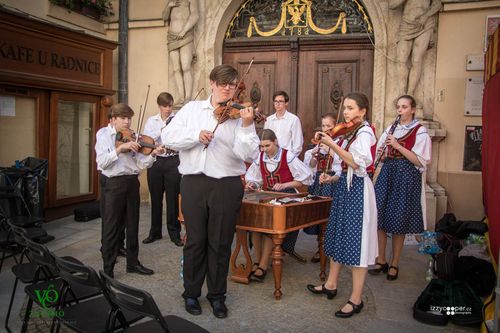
{"x": 252, "y": 308}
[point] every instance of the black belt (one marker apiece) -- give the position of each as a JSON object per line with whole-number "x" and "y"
{"x": 124, "y": 176}
{"x": 176, "y": 155}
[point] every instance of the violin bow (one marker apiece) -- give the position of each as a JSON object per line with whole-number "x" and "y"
{"x": 329, "y": 158}
{"x": 223, "y": 114}
{"x": 198, "y": 94}
{"x": 142, "y": 112}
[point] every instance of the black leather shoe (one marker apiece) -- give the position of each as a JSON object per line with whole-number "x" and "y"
{"x": 122, "y": 252}
{"x": 192, "y": 306}
{"x": 150, "y": 239}
{"x": 178, "y": 242}
{"x": 139, "y": 269}
{"x": 356, "y": 308}
{"x": 219, "y": 308}
{"x": 330, "y": 293}
{"x": 297, "y": 257}
{"x": 377, "y": 270}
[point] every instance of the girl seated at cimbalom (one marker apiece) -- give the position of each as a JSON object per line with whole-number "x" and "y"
{"x": 279, "y": 170}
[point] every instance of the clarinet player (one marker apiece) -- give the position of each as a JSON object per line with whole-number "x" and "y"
{"x": 400, "y": 186}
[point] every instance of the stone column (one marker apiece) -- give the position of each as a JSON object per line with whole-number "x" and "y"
{"x": 436, "y": 199}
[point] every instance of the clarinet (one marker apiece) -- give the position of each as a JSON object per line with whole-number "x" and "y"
{"x": 391, "y": 132}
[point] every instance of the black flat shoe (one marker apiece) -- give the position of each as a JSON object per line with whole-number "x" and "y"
{"x": 315, "y": 258}
{"x": 330, "y": 293}
{"x": 150, "y": 239}
{"x": 356, "y": 308}
{"x": 219, "y": 308}
{"x": 391, "y": 277}
{"x": 139, "y": 269}
{"x": 258, "y": 278}
{"x": 192, "y": 306}
{"x": 377, "y": 270}
{"x": 178, "y": 242}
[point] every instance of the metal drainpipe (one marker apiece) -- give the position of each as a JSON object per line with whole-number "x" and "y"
{"x": 123, "y": 52}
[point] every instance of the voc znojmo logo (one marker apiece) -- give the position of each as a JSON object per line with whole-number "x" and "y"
{"x": 47, "y": 298}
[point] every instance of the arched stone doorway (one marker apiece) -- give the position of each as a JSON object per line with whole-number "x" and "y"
{"x": 312, "y": 63}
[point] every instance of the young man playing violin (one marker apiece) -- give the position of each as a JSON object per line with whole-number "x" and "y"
{"x": 163, "y": 176}
{"x": 211, "y": 164}
{"x": 121, "y": 163}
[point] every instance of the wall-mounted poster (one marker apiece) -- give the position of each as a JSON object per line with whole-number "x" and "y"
{"x": 472, "y": 148}
{"x": 492, "y": 22}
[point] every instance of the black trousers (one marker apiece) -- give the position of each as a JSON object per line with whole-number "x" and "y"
{"x": 102, "y": 183}
{"x": 121, "y": 208}
{"x": 164, "y": 178}
{"x": 210, "y": 207}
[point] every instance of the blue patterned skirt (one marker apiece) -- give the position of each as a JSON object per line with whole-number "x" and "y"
{"x": 398, "y": 190}
{"x": 324, "y": 190}
{"x": 344, "y": 231}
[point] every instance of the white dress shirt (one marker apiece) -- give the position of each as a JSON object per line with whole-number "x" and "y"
{"x": 232, "y": 144}
{"x": 300, "y": 171}
{"x": 153, "y": 128}
{"x": 361, "y": 153}
{"x": 288, "y": 130}
{"x": 113, "y": 165}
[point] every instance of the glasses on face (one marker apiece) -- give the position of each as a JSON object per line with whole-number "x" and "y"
{"x": 279, "y": 102}
{"x": 231, "y": 85}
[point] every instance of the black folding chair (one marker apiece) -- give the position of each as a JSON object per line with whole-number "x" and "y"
{"x": 8, "y": 246}
{"x": 141, "y": 302}
{"x": 100, "y": 309}
{"x": 52, "y": 288}
{"x": 28, "y": 272}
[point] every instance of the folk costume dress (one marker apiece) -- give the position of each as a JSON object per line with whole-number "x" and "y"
{"x": 333, "y": 170}
{"x": 282, "y": 168}
{"x": 400, "y": 186}
{"x": 351, "y": 233}
{"x": 324, "y": 190}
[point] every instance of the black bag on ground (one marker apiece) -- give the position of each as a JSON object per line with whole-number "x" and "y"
{"x": 445, "y": 261}
{"x": 479, "y": 274}
{"x": 87, "y": 211}
{"x": 430, "y": 307}
{"x": 471, "y": 227}
{"x": 467, "y": 306}
{"x": 448, "y": 300}
{"x": 447, "y": 224}
{"x": 444, "y": 265}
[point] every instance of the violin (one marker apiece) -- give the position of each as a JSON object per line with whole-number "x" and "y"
{"x": 231, "y": 110}
{"x": 147, "y": 143}
{"x": 341, "y": 129}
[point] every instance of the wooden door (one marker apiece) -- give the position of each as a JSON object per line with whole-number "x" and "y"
{"x": 325, "y": 76}
{"x": 318, "y": 72}
{"x": 265, "y": 76}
